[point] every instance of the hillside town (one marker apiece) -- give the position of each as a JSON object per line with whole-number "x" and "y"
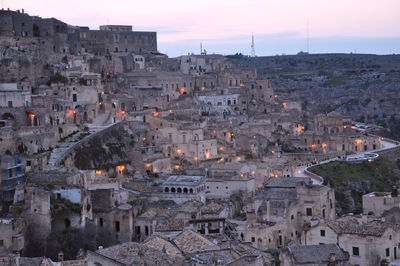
{"x": 113, "y": 153}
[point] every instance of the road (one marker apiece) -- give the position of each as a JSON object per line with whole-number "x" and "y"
{"x": 300, "y": 170}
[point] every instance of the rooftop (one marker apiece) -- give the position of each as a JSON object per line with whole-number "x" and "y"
{"x": 191, "y": 242}
{"x": 316, "y": 253}
{"x": 158, "y": 243}
{"x": 286, "y": 182}
{"x": 351, "y": 225}
{"x": 184, "y": 179}
{"x": 131, "y": 253}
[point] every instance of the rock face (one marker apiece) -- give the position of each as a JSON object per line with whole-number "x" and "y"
{"x": 107, "y": 150}
{"x": 351, "y": 181}
{"x": 30, "y": 62}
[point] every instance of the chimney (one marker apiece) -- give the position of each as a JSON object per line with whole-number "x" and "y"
{"x": 23, "y": 11}
{"x": 60, "y": 256}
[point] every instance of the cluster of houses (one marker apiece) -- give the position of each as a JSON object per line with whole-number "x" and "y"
{"x": 166, "y": 161}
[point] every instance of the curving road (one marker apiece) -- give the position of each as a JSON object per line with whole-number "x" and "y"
{"x": 300, "y": 169}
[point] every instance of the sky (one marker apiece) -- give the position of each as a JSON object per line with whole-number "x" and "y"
{"x": 226, "y": 26}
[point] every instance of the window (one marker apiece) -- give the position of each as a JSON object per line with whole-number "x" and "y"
{"x": 309, "y": 212}
{"x": 117, "y": 226}
{"x": 10, "y": 104}
{"x": 356, "y": 251}
{"x": 387, "y": 252}
{"x": 292, "y": 217}
{"x": 1, "y": 242}
{"x": 253, "y": 239}
{"x": 101, "y": 222}
{"x": 74, "y": 98}
{"x": 322, "y": 232}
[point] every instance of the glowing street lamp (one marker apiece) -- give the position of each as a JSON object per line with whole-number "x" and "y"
{"x": 72, "y": 112}
{"x": 120, "y": 168}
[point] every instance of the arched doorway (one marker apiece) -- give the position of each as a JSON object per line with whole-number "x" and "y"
{"x": 7, "y": 116}
{"x": 36, "y": 121}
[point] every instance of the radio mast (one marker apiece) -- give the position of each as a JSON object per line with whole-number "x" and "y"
{"x": 253, "y": 50}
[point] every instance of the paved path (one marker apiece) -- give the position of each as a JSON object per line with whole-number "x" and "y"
{"x": 301, "y": 169}
{"x": 59, "y": 152}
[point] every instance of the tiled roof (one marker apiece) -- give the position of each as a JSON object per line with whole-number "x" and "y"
{"x": 212, "y": 208}
{"x": 131, "y": 253}
{"x": 286, "y": 182}
{"x": 160, "y": 244}
{"x": 190, "y": 242}
{"x": 169, "y": 224}
{"x": 350, "y": 225}
{"x": 316, "y": 253}
{"x": 149, "y": 214}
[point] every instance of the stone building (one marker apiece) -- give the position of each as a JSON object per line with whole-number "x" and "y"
{"x": 12, "y": 174}
{"x": 77, "y": 40}
{"x": 322, "y": 255}
{"x": 224, "y": 186}
{"x": 367, "y": 242}
{"x": 334, "y": 133}
{"x": 131, "y": 253}
{"x": 13, "y": 96}
{"x": 377, "y": 203}
{"x": 184, "y": 188}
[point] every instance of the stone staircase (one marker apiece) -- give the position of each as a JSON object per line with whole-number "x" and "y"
{"x": 63, "y": 148}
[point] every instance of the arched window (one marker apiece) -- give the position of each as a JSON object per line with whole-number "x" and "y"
{"x": 173, "y": 190}
{"x": 179, "y": 190}
{"x": 166, "y": 189}
{"x": 191, "y": 190}
{"x": 185, "y": 190}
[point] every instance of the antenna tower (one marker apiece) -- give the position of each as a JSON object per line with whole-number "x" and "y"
{"x": 308, "y": 37}
{"x": 253, "y": 51}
